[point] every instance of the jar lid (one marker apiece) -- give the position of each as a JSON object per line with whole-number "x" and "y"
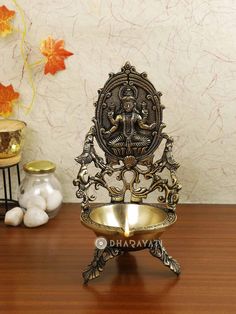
{"x": 39, "y": 166}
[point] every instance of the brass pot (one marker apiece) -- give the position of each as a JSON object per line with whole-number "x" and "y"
{"x": 11, "y": 137}
{"x": 129, "y": 226}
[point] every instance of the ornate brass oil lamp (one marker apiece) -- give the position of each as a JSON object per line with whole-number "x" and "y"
{"x": 128, "y": 128}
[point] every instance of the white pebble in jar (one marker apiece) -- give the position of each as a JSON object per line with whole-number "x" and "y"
{"x": 45, "y": 189}
{"x": 24, "y": 198}
{"x": 54, "y": 200}
{"x": 41, "y": 179}
{"x": 37, "y": 201}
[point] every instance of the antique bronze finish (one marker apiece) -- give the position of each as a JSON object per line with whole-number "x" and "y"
{"x": 128, "y": 127}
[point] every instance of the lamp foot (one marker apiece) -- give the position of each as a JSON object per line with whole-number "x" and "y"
{"x": 101, "y": 256}
{"x": 158, "y": 250}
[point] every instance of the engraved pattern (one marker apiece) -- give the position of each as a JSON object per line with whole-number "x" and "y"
{"x": 158, "y": 250}
{"x": 128, "y": 151}
{"x": 170, "y": 219}
{"x": 100, "y": 258}
{"x": 128, "y": 116}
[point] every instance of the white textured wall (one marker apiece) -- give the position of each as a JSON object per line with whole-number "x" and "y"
{"x": 188, "y": 49}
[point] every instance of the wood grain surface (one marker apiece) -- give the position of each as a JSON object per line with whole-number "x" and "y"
{"x": 41, "y": 268}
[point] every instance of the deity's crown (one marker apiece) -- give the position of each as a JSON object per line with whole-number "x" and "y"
{"x": 128, "y": 92}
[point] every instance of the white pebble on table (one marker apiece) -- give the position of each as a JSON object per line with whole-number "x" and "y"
{"x": 14, "y": 216}
{"x": 35, "y": 217}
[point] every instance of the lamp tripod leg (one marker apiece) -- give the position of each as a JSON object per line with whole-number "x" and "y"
{"x": 101, "y": 256}
{"x": 157, "y": 250}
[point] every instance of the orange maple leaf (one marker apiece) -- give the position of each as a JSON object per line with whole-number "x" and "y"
{"x": 5, "y": 17}
{"x": 55, "y": 53}
{"x": 7, "y": 97}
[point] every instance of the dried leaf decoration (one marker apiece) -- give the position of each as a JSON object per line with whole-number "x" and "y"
{"x": 7, "y": 98}
{"x": 55, "y": 53}
{"x": 5, "y": 17}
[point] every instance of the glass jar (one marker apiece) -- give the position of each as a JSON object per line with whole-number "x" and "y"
{"x": 40, "y": 188}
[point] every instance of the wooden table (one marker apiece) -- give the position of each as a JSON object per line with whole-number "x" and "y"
{"x": 41, "y": 268}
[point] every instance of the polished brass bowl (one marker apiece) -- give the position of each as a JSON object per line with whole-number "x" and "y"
{"x": 127, "y": 224}
{"x": 11, "y": 137}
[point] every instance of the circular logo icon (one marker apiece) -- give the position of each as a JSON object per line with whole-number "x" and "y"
{"x": 100, "y": 243}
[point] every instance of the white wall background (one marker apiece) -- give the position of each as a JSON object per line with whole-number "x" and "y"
{"x": 188, "y": 49}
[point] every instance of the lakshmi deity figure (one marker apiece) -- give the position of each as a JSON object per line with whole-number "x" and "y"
{"x": 128, "y": 140}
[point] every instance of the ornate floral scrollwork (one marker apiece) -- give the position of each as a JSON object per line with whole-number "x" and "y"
{"x": 128, "y": 127}
{"x": 101, "y": 256}
{"x": 84, "y": 181}
{"x": 151, "y": 172}
{"x": 167, "y": 159}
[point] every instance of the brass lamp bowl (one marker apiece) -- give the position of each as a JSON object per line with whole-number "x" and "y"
{"x": 129, "y": 225}
{"x": 11, "y": 137}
